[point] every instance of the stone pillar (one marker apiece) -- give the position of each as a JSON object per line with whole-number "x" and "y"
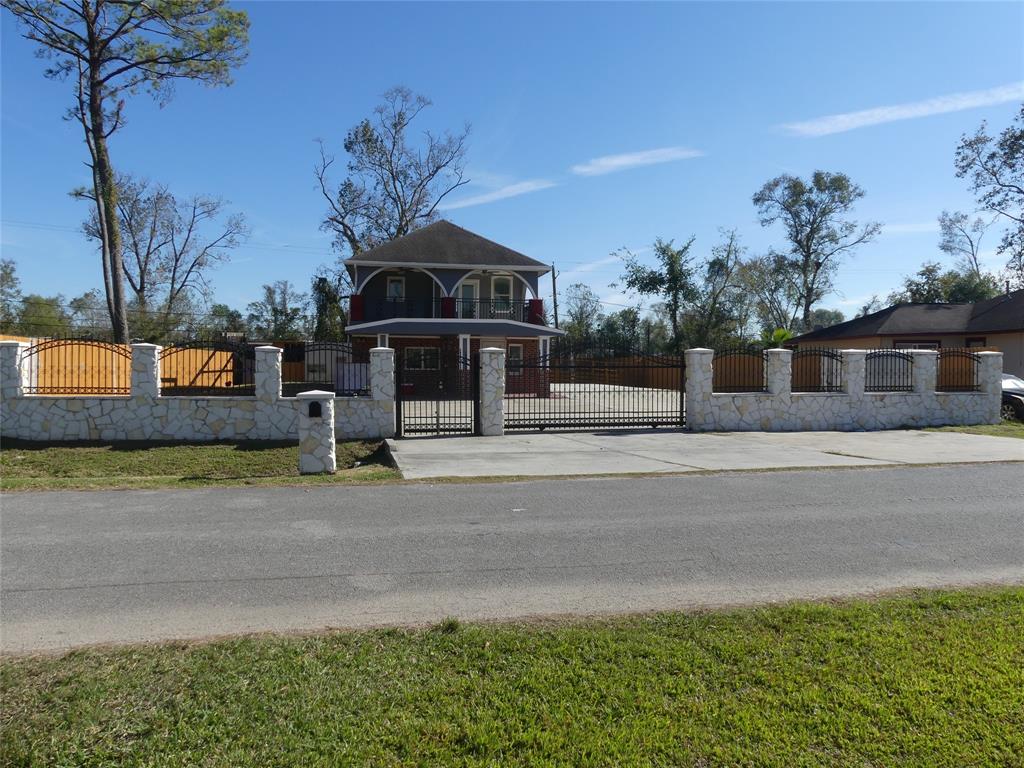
{"x": 990, "y": 381}
{"x": 316, "y": 432}
{"x": 268, "y": 374}
{"x": 699, "y": 375}
{"x": 12, "y": 381}
{"x": 492, "y": 392}
{"x": 854, "y": 371}
{"x": 925, "y": 370}
{"x": 145, "y": 370}
{"x": 779, "y": 371}
{"x": 382, "y": 373}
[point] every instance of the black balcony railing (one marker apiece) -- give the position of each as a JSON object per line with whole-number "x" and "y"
{"x": 466, "y": 309}
{"x": 487, "y": 309}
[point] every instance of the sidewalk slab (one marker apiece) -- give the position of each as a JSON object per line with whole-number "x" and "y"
{"x": 673, "y": 451}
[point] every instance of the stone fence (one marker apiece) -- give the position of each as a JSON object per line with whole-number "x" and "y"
{"x": 147, "y": 415}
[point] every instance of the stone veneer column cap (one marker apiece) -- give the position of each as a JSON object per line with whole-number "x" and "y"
{"x": 699, "y": 349}
{"x": 492, "y": 349}
{"x": 314, "y": 394}
{"x": 268, "y": 348}
{"x": 11, "y": 342}
{"x": 144, "y": 345}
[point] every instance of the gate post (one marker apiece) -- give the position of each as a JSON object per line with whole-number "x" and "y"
{"x": 267, "y": 377}
{"x": 492, "y": 392}
{"x": 383, "y": 384}
{"x": 699, "y": 377}
{"x": 12, "y": 377}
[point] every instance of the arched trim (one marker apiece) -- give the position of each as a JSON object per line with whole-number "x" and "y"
{"x": 376, "y": 272}
{"x": 477, "y": 274}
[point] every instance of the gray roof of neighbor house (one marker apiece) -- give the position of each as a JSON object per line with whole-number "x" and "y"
{"x": 445, "y": 244}
{"x": 1002, "y": 313}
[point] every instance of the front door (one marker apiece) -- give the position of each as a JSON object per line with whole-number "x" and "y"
{"x": 467, "y": 299}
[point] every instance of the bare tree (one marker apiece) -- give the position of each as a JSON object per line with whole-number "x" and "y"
{"x": 111, "y": 49}
{"x": 961, "y": 238}
{"x": 393, "y": 185}
{"x": 171, "y": 245}
{"x": 775, "y": 289}
{"x": 818, "y": 236}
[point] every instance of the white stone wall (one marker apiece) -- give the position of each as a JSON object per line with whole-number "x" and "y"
{"x": 143, "y": 416}
{"x": 492, "y": 391}
{"x": 780, "y": 410}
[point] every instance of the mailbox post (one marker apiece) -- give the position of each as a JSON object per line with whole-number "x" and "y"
{"x": 316, "y": 433}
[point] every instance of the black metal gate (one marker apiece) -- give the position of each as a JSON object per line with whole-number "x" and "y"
{"x": 437, "y": 396}
{"x": 593, "y": 386}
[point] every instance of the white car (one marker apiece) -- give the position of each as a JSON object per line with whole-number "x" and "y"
{"x": 1013, "y": 397}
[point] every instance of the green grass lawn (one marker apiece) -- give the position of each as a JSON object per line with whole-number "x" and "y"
{"x": 27, "y": 466}
{"x": 1003, "y": 429}
{"x": 923, "y": 679}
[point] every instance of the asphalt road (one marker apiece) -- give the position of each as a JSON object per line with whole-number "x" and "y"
{"x": 87, "y": 567}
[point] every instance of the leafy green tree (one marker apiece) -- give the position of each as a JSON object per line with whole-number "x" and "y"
{"x": 994, "y": 166}
{"x": 715, "y": 310}
{"x": 10, "y": 294}
{"x": 111, "y": 49}
{"x": 932, "y": 285}
{"x": 824, "y": 318}
{"x": 329, "y": 313}
{"x": 43, "y": 316}
{"x": 960, "y": 238}
{"x": 222, "y": 319}
{"x": 622, "y": 329}
{"x": 89, "y": 314}
{"x": 777, "y": 338}
{"x": 280, "y": 314}
{"x": 582, "y": 313}
{"x": 770, "y": 286}
{"x": 818, "y": 234}
{"x": 671, "y": 280}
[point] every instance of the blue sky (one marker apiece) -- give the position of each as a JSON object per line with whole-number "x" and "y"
{"x": 614, "y": 123}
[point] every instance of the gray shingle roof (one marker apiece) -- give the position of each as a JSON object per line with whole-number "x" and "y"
{"x": 1002, "y": 313}
{"x": 445, "y": 243}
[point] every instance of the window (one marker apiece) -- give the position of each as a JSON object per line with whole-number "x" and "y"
{"x": 975, "y": 341}
{"x": 501, "y": 293}
{"x": 382, "y": 340}
{"x": 422, "y": 358}
{"x": 916, "y": 345}
{"x": 464, "y": 351}
{"x": 514, "y": 359}
{"x": 396, "y": 288}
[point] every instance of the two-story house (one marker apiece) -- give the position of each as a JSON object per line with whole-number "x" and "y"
{"x": 439, "y": 294}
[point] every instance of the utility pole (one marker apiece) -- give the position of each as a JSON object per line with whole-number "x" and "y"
{"x": 554, "y": 292}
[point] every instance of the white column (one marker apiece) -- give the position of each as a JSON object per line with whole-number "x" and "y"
{"x": 145, "y": 370}
{"x": 11, "y": 382}
{"x": 779, "y": 371}
{"x": 699, "y": 376}
{"x": 268, "y": 374}
{"x": 316, "y": 432}
{"x": 990, "y": 381}
{"x": 925, "y": 370}
{"x": 854, "y": 371}
{"x": 382, "y": 373}
{"x": 492, "y": 391}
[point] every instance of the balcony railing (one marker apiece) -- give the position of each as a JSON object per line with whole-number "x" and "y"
{"x": 528, "y": 311}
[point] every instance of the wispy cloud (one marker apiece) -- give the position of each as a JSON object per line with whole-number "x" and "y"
{"x": 954, "y": 102}
{"x": 511, "y": 190}
{"x": 613, "y": 163}
{"x": 591, "y": 266}
{"x": 910, "y": 227}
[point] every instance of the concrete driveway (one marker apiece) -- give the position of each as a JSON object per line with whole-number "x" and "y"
{"x": 672, "y": 451}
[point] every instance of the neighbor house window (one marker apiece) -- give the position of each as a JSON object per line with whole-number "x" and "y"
{"x": 916, "y": 345}
{"x": 396, "y": 287}
{"x": 514, "y": 359}
{"x": 382, "y": 340}
{"x": 421, "y": 358}
{"x": 501, "y": 293}
{"x": 464, "y": 351}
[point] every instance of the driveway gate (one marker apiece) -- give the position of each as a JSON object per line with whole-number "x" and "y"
{"x": 594, "y": 386}
{"x": 440, "y": 396}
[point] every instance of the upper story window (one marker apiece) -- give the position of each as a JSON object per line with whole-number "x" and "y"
{"x": 501, "y": 293}
{"x": 396, "y": 287}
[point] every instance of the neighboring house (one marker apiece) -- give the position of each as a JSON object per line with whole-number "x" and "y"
{"x": 996, "y": 324}
{"x": 439, "y": 294}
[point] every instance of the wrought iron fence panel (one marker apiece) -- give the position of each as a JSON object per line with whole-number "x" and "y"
{"x": 76, "y": 366}
{"x": 888, "y": 370}
{"x": 959, "y": 370}
{"x": 817, "y": 370}
{"x": 208, "y": 369}
{"x": 332, "y": 366}
{"x": 741, "y": 369}
{"x": 438, "y": 401}
{"x": 587, "y": 386}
